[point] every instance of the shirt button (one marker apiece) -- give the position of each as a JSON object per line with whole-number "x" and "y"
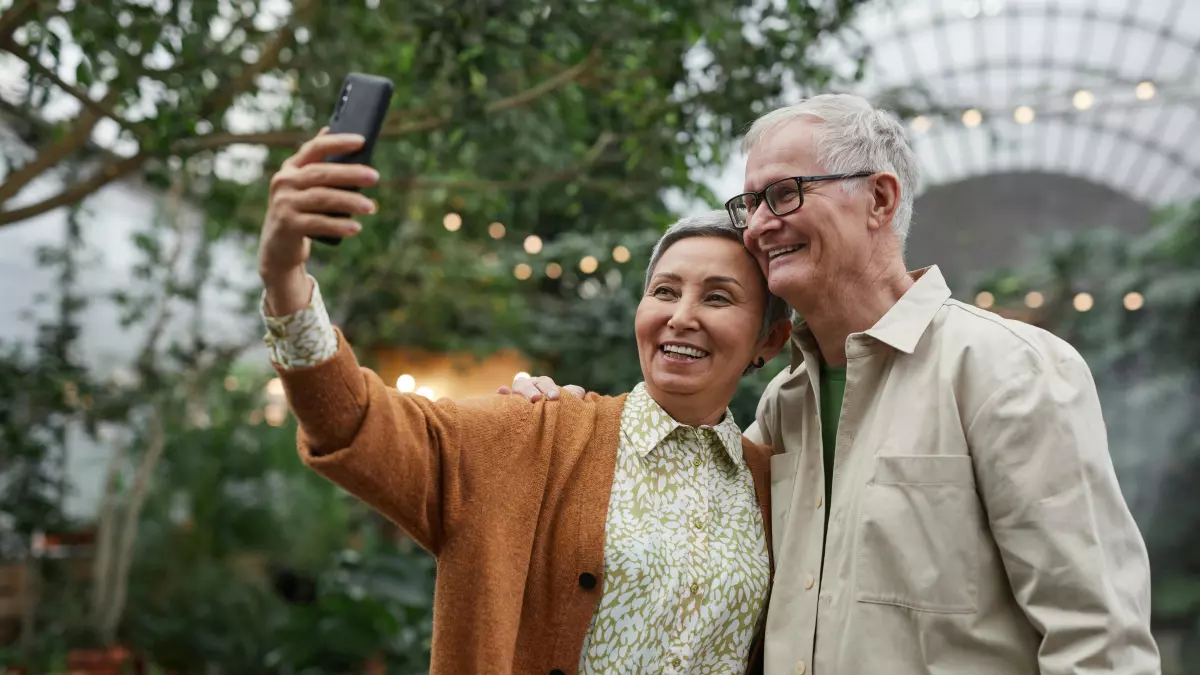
{"x": 698, "y": 523}
{"x": 697, "y": 461}
{"x": 809, "y": 581}
{"x": 676, "y": 662}
{"x": 587, "y": 581}
{"x": 800, "y": 668}
{"x": 695, "y": 588}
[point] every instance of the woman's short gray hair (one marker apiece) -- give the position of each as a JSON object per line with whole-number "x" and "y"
{"x": 852, "y": 136}
{"x": 715, "y": 224}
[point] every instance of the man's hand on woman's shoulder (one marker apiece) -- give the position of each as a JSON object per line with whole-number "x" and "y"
{"x": 535, "y": 389}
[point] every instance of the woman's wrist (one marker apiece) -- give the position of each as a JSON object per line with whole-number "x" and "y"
{"x": 289, "y": 292}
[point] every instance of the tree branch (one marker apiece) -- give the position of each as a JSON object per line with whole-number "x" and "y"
{"x": 100, "y": 109}
{"x": 393, "y": 128}
{"x": 14, "y": 17}
{"x": 54, "y": 152}
{"x": 398, "y": 123}
{"x": 268, "y": 57}
{"x": 103, "y": 176}
{"x": 581, "y": 167}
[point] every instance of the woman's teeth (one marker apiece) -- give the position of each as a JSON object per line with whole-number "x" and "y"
{"x": 680, "y": 350}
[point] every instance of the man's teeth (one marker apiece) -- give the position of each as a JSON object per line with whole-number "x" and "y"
{"x": 684, "y": 351}
{"x": 780, "y": 251}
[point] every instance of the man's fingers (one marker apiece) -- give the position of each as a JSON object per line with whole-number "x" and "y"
{"x": 524, "y": 386}
{"x": 320, "y": 200}
{"x": 316, "y": 149}
{"x": 547, "y": 386}
{"x": 574, "y": 390}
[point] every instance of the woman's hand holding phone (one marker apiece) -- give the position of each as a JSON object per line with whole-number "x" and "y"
{"x": 304, "y": 190}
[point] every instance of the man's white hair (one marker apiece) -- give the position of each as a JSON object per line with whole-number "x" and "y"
{"x": 851, "y": 136}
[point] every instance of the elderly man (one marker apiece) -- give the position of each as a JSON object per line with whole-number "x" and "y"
{"x": 943, "y": 500}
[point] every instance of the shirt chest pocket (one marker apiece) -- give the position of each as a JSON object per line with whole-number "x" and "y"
{"x": 920, "y": 534}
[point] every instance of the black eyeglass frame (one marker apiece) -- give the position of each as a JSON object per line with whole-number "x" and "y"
{"x": 760, "y": 197}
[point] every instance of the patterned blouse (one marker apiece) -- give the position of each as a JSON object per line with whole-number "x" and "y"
{"x": 686, "y": 570}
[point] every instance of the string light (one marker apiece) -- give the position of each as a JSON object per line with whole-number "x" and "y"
{"x": 1083, "y": 99}
{"x": 1083, "y": 302}
{"x": 406, "y": 383}
{"x": 972, "y": 118}
{"x": 230, "y": 383}
{"x": 426, "y": 392}
{"x": 554, "y": 270}
{"x": 921, "y": 124}
{"x": 275, "y": 387}
{"x": 1033, "y": 299}
{"x": 533, "y": 244}
{"x": 522, "y": 271}
{"x": 521, "y": 374}
{"x": 496, "y": 230}
{"x": 588, "y": 265}
{"x": 275, "y": 414}
{"x": 985, "y": 300}
{"x": 1134, "y": 301}
{"x": 1023, "y": 114}
{"x": 452, "y": 221}
{"x": 1145, "y": 91}
{"x": 620, "y": 254}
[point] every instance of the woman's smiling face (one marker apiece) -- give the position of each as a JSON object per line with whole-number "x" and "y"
{"x": 698, "y": 325}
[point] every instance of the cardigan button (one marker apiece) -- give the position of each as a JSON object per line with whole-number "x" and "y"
{"x": 587, "y": 581}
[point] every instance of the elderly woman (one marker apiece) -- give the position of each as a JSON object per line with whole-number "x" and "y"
{"x": 591, "y": 535}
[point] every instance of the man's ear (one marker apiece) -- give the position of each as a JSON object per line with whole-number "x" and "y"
{"x": 777, "y": 338}
{"x": 885, "y": 199}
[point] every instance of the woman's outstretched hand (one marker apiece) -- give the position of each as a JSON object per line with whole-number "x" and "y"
{"x": 304, "y": 190}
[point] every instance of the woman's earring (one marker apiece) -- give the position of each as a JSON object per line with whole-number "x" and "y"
{"x": 760, "y": 362}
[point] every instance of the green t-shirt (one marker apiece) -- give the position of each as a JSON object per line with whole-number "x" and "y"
{"x": 833, "y": 387}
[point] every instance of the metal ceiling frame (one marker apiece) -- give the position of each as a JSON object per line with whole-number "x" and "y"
{"x": 1129, "y": 177}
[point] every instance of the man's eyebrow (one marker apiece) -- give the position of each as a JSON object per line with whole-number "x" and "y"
{"x": 671, "y": 276}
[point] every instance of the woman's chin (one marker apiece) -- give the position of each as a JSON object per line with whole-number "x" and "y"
{"x": 680, "y": 384}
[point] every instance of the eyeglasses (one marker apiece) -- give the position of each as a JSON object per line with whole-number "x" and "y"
{"x": 783, "y": 196}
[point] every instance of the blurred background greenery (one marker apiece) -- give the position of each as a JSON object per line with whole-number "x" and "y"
{"x": 152, "y": 509}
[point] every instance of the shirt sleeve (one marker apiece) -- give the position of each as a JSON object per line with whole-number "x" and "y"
{"x": 1073, "y": 554}
{"x": 305, "y": 338}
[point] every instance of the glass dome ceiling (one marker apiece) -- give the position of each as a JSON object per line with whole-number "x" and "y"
{"x": 1103, "y": 90}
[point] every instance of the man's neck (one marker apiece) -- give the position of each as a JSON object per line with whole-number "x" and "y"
{"x": 851, "y": 305}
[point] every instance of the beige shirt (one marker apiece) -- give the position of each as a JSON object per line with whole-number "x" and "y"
{"x": 976, "y": 522}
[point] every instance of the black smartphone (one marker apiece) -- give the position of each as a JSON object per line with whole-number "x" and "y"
{"x": 361, "y": 107}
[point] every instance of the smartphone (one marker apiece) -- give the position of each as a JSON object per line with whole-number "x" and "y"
{"x": 361, "y": 107}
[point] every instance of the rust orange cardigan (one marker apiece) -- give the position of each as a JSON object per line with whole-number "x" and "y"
{"x": 511, "y": 497}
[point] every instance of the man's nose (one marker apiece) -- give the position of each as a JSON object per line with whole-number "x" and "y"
{"x": 759, "y": 223}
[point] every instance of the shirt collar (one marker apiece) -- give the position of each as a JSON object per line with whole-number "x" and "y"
{"x": 643, "y": 414}
{"x": 901, "y": 327}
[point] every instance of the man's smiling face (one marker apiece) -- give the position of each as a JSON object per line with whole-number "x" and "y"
{"x": 829, "y": 236}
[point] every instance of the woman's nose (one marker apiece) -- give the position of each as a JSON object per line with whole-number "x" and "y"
{"x": 684, "y": 317}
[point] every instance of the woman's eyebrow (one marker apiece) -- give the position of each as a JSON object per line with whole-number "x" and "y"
{"x": 720, "y": 279}
{"x": 715, "y": 279}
